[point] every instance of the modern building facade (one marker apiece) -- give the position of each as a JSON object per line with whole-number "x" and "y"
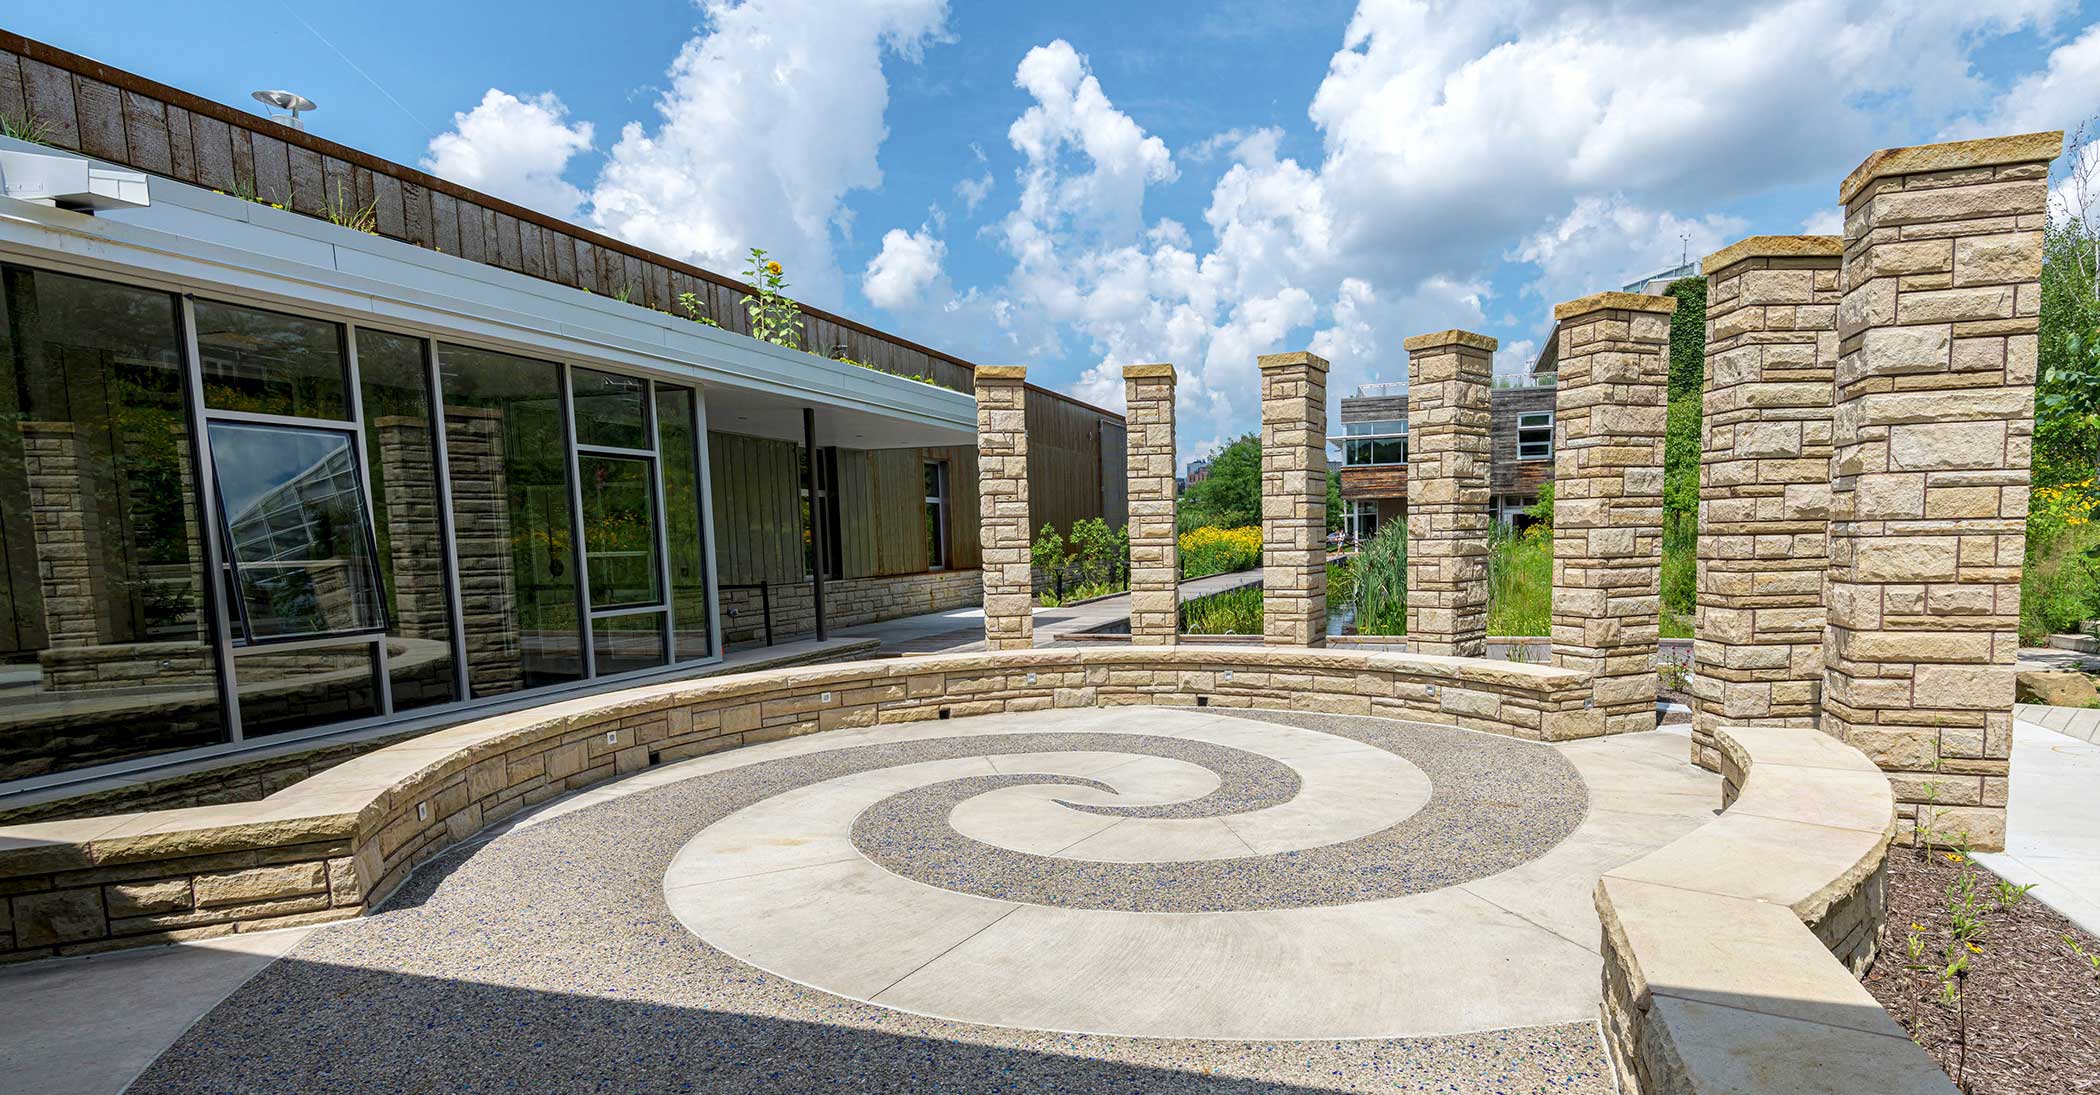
{"x": 1371, "y": 451}
{"x": 274, "y": 464}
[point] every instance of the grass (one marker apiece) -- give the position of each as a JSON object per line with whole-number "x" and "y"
{"x": 1233, "y": 612}
{"x": 1380, "y": 582}
{"x": 1520, "y": 583}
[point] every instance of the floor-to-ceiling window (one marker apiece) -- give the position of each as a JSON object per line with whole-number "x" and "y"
{"x": 221, "y": 522}
{"x": 105, "y": 647}
{"x": 512, "y": 527}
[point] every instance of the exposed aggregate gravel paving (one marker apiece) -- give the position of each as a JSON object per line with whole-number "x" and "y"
{"x": 546, "y": 960}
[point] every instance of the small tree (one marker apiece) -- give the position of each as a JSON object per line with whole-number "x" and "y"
{"x": 1230, "y": 497}
{"x": 1047, "y": 553}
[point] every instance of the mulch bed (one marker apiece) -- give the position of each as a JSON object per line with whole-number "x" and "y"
{"x": 2032, "y": 1005}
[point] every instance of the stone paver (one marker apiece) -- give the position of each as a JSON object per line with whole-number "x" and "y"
{"x": 2053, "y": 821}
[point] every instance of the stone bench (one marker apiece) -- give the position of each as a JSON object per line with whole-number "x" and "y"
{"x": 1731, "y": 955}
{"x": 336, "y": 843}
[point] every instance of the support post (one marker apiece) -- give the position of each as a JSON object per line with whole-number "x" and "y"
{"x": 1933, "y": 425}
{"x": 1002, "y": 493}
{"x": 1608, "y": 419}
{"x": 1764, "y": 485}
{"x": 1155, "y": 552}
{"x": 1448, "y": 455}
{"x": 1294, "y": 499}
{"x": 817, "y": 524}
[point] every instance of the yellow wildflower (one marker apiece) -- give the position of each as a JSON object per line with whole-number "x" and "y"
{"x": 773, "y": 268}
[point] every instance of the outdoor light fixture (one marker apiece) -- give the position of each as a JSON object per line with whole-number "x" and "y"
{"x": 69, "y": 182}
{"x": 288, "y": 102}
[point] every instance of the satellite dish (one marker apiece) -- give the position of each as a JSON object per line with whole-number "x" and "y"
{"x": 288, "y": 102}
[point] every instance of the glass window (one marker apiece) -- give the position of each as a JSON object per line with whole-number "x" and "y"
{"x": 509, "y": 471}
{"x": 292, "y": 507}
{"x": 303, "y": 687}
{"x": 936, "y": 515}
{"x": 609, "y": 409}
{"x": 623, "y": 644}
{"x": 401, "y": 447}
{"x": 1535, "y": 435}
{"x": 266, "y": 363}
{"x": 676, "y": 442}
{"x": 619, "y": 530}
{"x": 105, "y": 652}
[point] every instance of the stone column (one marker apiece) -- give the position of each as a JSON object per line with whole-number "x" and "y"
{"x": 1155, "y": 552}
{"x": 1448, "y": 455}
{"x": 1934, "y": 419}
{"x": 1608, "y": 418}
{"x": 1764, "y": 485}
{"x": 1002, "y": 500}
{"x": 1294, "y": 499}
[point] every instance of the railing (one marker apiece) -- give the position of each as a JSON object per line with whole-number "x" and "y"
{"x": 765, "y": 603}
{"x": 1510, "y": 381}
{"x": 1391, "y": 389}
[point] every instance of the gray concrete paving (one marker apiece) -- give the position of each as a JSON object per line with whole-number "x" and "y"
{"x": 2053, "y": 822}
{"x": 88, "y": 1026}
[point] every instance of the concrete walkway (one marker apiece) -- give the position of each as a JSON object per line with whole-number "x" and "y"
{"x": 2053, "y": 823}
{"x": 962, "y": 629}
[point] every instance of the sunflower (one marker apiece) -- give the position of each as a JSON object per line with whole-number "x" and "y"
{"x": 773, "y": 268}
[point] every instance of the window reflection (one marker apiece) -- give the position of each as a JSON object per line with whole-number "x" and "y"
{"x": 623, "y": 644}
{"x": 266, "y": 363}
{"x": 300, "y": 539}
{"x": 619, "y": 530}
{"x": 511, "y": 526}
{"x": 401, "y": 447}
{"x": 678, "y": 447}
{"x": 103, "y": 651}
{"x": 609, "y": 409}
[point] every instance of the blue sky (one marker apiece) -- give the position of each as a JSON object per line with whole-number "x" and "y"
{"x": 1081, "y": 185}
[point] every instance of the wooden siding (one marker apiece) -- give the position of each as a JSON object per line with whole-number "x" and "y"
{"x": 757, "y": 492}
{"x": 1507, "y": 474}
{"x": 1066, "y": 463}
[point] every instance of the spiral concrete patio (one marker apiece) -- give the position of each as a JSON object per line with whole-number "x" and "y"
{"x": 1133, "y": 899}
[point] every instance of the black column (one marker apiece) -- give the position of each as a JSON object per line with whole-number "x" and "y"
{"x": 816, "y": 517}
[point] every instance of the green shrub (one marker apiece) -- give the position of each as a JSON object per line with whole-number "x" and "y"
{"x": 1209, "y": 550}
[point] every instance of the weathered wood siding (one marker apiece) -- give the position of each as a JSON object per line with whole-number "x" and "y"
{"x": 757, "y": 492}
{"x": 1070, "y": 472}
{"x": 1510, "y": 475}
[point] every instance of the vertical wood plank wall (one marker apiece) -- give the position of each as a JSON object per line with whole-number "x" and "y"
{"x": 756, "y": 489}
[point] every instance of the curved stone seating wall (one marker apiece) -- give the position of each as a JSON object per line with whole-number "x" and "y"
{"x": 1730, "y": 955}
{"x": 330, "y": 846}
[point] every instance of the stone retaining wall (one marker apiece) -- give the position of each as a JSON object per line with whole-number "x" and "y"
{"x": 1731, "y": 955}
{"x": 330, "y": 846}
{"x": 847, "y": 603}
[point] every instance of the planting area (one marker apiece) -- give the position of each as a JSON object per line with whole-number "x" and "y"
{"x": 2002, "y": 991}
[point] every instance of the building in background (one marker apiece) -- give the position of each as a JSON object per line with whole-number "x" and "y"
{"x": 1370, "y": 451}
{"x": 295, "y": 441}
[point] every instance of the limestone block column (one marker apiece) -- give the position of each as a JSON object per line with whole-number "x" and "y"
{"x": 1608, "y": 418}
{"x": 1294, "y": 499}
{"x": 1155, "y": 552}
{"x": 1933, "y": 424}
{"x": 1764, "y": 485}
{"x": 1448, "y": 455}
{"x": 1002, "y": 499}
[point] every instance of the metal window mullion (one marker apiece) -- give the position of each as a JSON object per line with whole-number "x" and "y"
{"x": 448, "y": 545}
{"x": 668, "y": 626}
{"x": 364, "y": 469}
{"x": 207, "y": 498}
{"x": 292, "y": 420}
{"x": 614, "y": 450}
{"x": 704, "y": 497}
{"x": 586, "y": 655}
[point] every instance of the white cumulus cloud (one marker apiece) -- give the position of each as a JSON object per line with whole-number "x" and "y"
{"x": 514, "y": 148}
{"x": 899, "y": 275}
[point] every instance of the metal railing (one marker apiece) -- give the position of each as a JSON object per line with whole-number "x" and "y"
{"x": 1390, "y": 389}
{"x": 1509, "y": 381}
{"x": 765, "y": 603}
